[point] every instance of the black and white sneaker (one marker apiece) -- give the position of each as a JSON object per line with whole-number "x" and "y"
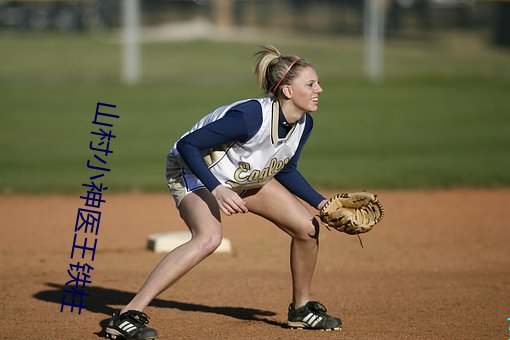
{"x": 130, "y": 326}
{"x": 313, "y": 316}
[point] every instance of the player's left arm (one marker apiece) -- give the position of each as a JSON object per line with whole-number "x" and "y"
{"x": 292, "y": 179}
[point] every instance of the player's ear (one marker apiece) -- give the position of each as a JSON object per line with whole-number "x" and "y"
{"x": 287, "y": 91}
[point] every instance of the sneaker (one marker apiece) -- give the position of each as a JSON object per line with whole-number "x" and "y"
{"x": 313, "y": 316}
{"x": 130, "y": 326}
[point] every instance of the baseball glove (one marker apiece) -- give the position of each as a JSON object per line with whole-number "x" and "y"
{"x": 352, "y": 213}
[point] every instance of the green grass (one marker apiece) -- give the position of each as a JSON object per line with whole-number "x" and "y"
{"x": 440, "y": 118}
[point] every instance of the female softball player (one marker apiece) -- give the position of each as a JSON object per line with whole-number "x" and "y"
{"x": 243, "y": 158}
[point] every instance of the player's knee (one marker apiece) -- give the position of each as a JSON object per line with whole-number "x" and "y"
{"x": 309, "y": 231}
{"x": 208, "y": 243}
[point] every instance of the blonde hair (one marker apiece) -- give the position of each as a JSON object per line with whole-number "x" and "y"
{"x": 273, "y": 69}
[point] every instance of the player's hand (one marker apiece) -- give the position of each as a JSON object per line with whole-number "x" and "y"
{"x": 321, "y": 204}
{"x": 229, "y": 201}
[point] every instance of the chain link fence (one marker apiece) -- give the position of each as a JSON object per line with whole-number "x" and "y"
{"x": 404, "y": 18}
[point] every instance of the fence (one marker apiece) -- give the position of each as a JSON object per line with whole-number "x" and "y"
{"x": 404, "y": 17}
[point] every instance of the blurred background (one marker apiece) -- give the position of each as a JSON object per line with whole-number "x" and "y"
{"x": 416, "y": 91}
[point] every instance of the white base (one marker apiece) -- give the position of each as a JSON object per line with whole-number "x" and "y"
{"x": 165, "y": 242}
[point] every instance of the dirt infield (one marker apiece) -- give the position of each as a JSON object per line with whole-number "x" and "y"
{"x": 437, "y": 267}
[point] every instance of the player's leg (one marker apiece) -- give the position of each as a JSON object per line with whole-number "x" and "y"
{"x": 200, "y": 212}
{"x": 278, "y": 205}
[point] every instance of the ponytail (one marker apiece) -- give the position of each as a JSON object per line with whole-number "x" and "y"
{"x": 272, "y": 69}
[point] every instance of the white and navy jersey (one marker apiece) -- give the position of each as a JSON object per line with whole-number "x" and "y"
{"x": 245, "y": 144}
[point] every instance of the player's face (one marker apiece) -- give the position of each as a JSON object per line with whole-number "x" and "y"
{"x": 306, "y": 90}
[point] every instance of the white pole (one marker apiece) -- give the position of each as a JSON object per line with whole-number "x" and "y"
{"x": 131, "y": 69}
{"x": 374, "y": 38}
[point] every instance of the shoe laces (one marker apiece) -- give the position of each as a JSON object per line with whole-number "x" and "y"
{"x": 139, "y": 316}
{"x": 317, "y": 307}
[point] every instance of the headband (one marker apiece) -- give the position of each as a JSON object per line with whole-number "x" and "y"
{"x": 283, "y": 77}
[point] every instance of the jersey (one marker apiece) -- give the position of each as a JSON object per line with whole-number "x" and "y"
{"x": 251, "y": 163}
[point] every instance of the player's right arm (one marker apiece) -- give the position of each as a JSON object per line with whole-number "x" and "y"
{"x": 239, "y": 124}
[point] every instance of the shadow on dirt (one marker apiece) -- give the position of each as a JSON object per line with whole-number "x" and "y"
{"x": 100, "y": 300}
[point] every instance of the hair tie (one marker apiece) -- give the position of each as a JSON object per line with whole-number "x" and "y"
{"x": 283, "y": 77}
